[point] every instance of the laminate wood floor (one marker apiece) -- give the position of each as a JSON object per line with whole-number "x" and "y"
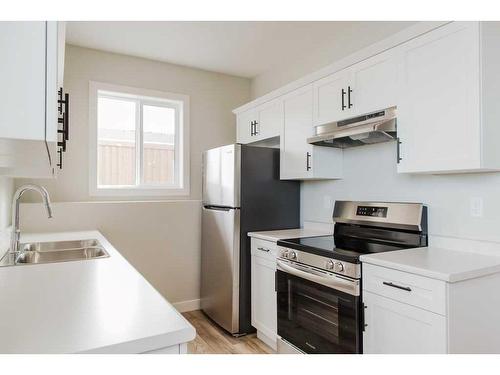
{"x": 211, "y": 339}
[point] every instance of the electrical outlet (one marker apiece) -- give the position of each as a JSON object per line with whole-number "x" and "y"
{"x": 476, "y": 207}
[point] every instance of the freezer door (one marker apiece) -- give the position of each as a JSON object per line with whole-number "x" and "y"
{"x": 221, "y": 176}
{"x": 220, "y": 270}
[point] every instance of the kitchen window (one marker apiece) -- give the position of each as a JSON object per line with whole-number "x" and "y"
{"x": 138, "y": 142}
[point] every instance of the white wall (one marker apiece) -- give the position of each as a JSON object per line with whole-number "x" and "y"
{"x": 370, "y": 174}
{"x": 333, "y": 47}
{"x": 6, "y": 191}
{"x": 160, "y": 238}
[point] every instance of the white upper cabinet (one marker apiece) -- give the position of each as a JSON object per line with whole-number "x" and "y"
{"x": 332, "y": 98}
{"x": 244, "y": 126}
{"x": 261, "y": 123}
{"x": 30, "y": 73}
{"x": 374, "y": 83}
{"x": 444, "y": 83}
{"x": 22, "y": 96}
{"x": 270, "y": 122}
{"x": 368, "y": 86}
{"x": 298, "y": 159}
{"x": 447, "y": 119}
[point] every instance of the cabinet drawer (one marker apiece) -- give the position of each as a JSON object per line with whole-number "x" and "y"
{"x": 419, "y": 291}
{"x": 264, "y": 249}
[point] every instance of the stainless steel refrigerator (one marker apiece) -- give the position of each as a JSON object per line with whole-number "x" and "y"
{"x": 242, "y": 193}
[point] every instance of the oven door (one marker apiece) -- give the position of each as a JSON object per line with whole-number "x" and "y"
{"x": 313, "y": 315}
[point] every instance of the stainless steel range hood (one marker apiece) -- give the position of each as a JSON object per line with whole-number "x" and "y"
{"x": 371, "y": 128}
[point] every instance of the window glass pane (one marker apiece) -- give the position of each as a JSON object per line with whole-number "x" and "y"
{"x": 159, "y": 144}
{"x": 116, "y": 154}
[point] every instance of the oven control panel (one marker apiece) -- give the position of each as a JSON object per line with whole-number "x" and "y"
{"x": 331, "y": 265}
{"x": 371, "y": 211}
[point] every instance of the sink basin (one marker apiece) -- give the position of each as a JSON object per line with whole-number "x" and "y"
{"x": 36, "y": 257}
{"x": 60, "y": 245}
{"x": 58, "y": 251}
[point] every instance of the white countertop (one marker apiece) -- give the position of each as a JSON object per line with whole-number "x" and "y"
{"x": 276, "y": 235}
{"x": 92, "y": 306}
{"x": 436, "y": 263}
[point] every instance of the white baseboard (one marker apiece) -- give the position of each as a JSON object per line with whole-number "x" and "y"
{"x": 185, "y": 306}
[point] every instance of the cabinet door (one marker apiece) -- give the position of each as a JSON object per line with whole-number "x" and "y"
{"x": 244, "y": 127}
{"x": 396, "y": 328}
{"x": 22, "y": 76}
{"x": 264, "y": 310}
{"x": 375, "y": 83}
{"x": 438, "y": 112}
{"x": 294, "y": 160}
{"x": 331, "y": 98}
{"x": 269, "y": 121}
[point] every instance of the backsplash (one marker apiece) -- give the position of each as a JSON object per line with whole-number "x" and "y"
{"x": 6, "y": 190}
{"x": 453, "y": 200}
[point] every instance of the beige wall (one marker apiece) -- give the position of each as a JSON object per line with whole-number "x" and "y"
{"x": 325, "y": 52}
{"x": 160, "y": 238}
{"x": 212, "y": 97}
{"x": 6, "y": 190}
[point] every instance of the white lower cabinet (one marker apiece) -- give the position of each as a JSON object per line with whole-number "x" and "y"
{"x": 413, "y": 314}
{"x": 264, "y": 310}
{"x": 397, "y": 328}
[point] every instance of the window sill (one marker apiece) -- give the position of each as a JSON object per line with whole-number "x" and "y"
{"x": 139, "y": 192}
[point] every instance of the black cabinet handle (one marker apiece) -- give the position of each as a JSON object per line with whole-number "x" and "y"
{"x": 251, "y": 129}
{"x": 349, "y": 91}
{"x": 62, "y": 143}
{"x": 343, "y": 101}
{"x": 60, "y": 164}
{"x": 308, "y": 158}
{"x": 65, "y": 128}
{"x": 397, "y": 286}
{"x": 256, "y": 132}
{"x": 398, "y": 150}
{"x": 363, "y": 324}
{"x": 60, "y": 101}
{"x": 66, "y": 116}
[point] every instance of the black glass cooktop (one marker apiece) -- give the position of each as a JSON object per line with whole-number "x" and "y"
{"x": 344, "y": 248}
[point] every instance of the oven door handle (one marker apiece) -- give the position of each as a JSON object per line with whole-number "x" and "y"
{"x": 343, "y": 284}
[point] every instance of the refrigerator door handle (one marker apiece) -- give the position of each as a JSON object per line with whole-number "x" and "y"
{"x": 218, "y": 208}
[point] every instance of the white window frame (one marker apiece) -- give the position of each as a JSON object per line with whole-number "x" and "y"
{"x": 180, "y": 187}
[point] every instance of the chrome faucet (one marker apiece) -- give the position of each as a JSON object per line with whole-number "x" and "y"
{"x": 16, "y": 232}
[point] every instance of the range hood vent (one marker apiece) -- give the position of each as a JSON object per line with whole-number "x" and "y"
{"x": 371, "y": 128}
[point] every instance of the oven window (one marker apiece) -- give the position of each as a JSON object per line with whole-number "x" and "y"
{"x": 315, "y": 318}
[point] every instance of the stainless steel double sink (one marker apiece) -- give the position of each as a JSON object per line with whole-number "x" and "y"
{"x": 54, "y": 252}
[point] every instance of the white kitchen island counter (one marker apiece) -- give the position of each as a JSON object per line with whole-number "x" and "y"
{"x": 88, "y": 306}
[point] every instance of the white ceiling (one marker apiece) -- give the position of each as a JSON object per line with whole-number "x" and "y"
{"x": 244, "y": 49}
